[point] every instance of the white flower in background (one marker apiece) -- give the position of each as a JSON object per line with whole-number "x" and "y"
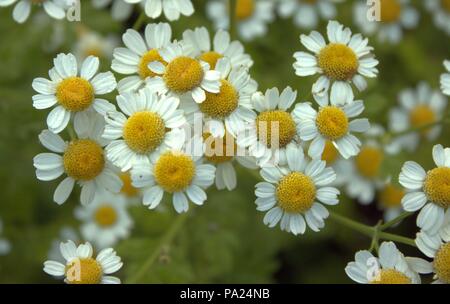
{"x": 437, "y": 247}
{"x": 82, "y": 160}
{"x": 274, "y": 127}
{"x": 147, "y": 125}
{"x": 5, "y": 245}
{"x": 395, "y": 15}
{"x": 341, "y": 62}
{"x": 66, "y": 233}
{"x": 418, "y": 108}
{"x": 295, "y": 193}
{"x": 120, "y": 10}
{"x": 105, "y": 220}
{"x": 90, "y": 43}
{"x": 178, "y": 172}
{"x": 307, "y": 13}
{"x": 445, "y": 79}
{"x": 72, "y": 94}
{"x": 80, "y": 267}
{"x": 134, "y": 58}
{"x": 331, "y": 122}
{"x": 231, "y": 108}
{"x": 172, "y": 9}
{"x": 180, "y": 74}
{"x": 22, "y": 8}
{"x": 391, "y": 267}
{"x": 389, "y": 197}
{"x": 441, "y": 13}
{"x": 128, "y": 190}
{"x": 252, "y": 16}
{"x": 198, "y": 42}
{"x": 429, "y": 190}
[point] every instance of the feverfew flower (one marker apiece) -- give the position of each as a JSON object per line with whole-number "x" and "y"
{"x": 344, "y": 60}
{"x": 172, "y": 9}
{"x": 307, "y": 13}
{"x": 90, "y": 43}
{"x": 389, "y": 197}
{"x": 429, "y": 190}
{"x": 22, "y": 8}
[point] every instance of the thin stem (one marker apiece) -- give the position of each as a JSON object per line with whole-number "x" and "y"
{"x": 396, "y": 220}
{"x": 232, "y": 16}
{"x": 375, "y": 237}
{"x": 397, "y": 238}
{"x": 139, "y": 21}
{"x": 166, "y": 240}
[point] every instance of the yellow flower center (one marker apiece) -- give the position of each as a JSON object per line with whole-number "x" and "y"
{"x": 84, "y": 271}
{"x": 330, "y": 153}
{"x": 391, "y": 196}
{"x": 144, "y": 131}
{"x": 211, "y": 58}
{"x": 75, "y": 94}
{"x": 332, "y": 122}
{"x": 437, "y": 186}
{"x": 244, "y": 9}
{"x": 150, "y": 56}
{"x": 174, "y": 172}
{"x": 368, "y": 161}
{"x": 390, "y": 10}
{"x": 219, "y": 150}
{"x": 222, "y": 104}
{"x": 391, "y": 276}
{"x": 296, "y": 193}
{"x": 275, "y": 127}
{"x": 183, "y": 74}
{"x": 128, "y": 189}
{"x": 338, "y": 61}
{"x": 105, "y": 215}
{"x": 442, "y": 263}
{"x": 446, "y": 5}
{"x": 83, "y": 159}
{"x": 420, "y": 116}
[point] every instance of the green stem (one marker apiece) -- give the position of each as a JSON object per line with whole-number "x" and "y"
{"x": 139, "y": 21}
{"x": 166, "y": 240}
{"x": 396, "y": 220}
{"x": 232, "y": 16}
{"x": 71, "y": 132}
{"x": 397, "y": 238}
{"x": 375, "y": 237}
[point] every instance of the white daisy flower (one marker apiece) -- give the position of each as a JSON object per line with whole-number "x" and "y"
{"x": 344, "y": 60}
{"x": 105, "y": 221}
{"x": 91, "y": 43}
{"x": 429, "y": 190}
{"x": 22, "y": 8}
{"x": 391, "y": 267}
{"x": 66, "y": 233}
{"x": 139, "y": 52}
{"x": 252, "y": 16}
{"x": 445, "y": 79}
{"x": 441, "y": 13}
{"x": 82, "y": 160}
{"x": 5, "y": 245}
{"x": 437, "y": 247}
{"x": 120, "y": 10}
{"x": 146, "y": 125}
{"x": 274, "y": 127}
{"x": 80, "y": 267}
{"x": 231, "y": 108}
{"x": 128, "y": 190}
{"x": 172, "y": 9}
{"x": 395, "y": 15}
{"x": 294, "y": 193}
{"x": 179, "y": 172}
{"x": 181, "y": 74}
{"x": 418, "y": 108}
{"x": 199, "y": 43}
{"x": 389, "y": 197}
{"x": 307, "y": 13}
{"x": 331, "y": 122}
{"x": 73, "y": 95}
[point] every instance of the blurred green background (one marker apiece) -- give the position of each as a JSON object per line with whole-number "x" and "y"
{"x": 225, "y": 240}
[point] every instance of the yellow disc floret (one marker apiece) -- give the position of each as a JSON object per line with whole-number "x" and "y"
{"x": 174, "y": 172}
{"x": 75, "y": 94}
{"x": 391, "y": 196}
{"x": 437, "y": 186}
{"x": 295, "y": 193}
{"x": 222, "y": 104}
{"x": 275, "y": 127}
{"x": 84, "y": 271}
{"x": 244, "y": 9}
{"x": 83, "y": 159}
{"x": 144, "y": 131}
{"x": 128, "y": 189}
{"x": 390, "y": 10}
{"x": 183, "y": 74}
{"x": 368, "y": 161}
{"x": 332, "y": 122}
{"x": 330, "y": 153}
{"x": 391, "y": 276}
{"x": 219, "y": 150}
{"x": 338, "y": 61}
{"x": 150, "y": 56}
{"x": 105, "y": 215}
{"x": 422, "y": 115}
{"x": 442, "y": 263}
{"x": 211, "y": 58}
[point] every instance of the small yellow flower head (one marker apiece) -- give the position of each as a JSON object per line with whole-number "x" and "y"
{"x": 183, "y": 74}
{"x": 266, "y": 126}
{"x": 437, "y": 186}
{"x": 244, "y": 9}
{"x": 150, "y": 56}
{"x": 330, "y": 153}
{"x": 422, "y": 115}
{"x": 105, "y": 215}
{"x": 338, "y": 61}
{"x": 295, "y": 193}
{"x": 332, "y": 122}
{"x": 144, "y": 131}
{"x": 442, "y": 263}
{"x": 84, "y": 271}
{"x": 391, "y": 196}
{"x": 83, "y": 159}
{"x": 75, "y": 94}
{"x": 222, "y": 104}
{"x": 391, "y": 276}
{"x": 390, "y": 10}
{"x": 174, "y": 171}
{"x": 219, "y": 150}
{"x": 368, "y": 161}
{"x": 211, "y": 58}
